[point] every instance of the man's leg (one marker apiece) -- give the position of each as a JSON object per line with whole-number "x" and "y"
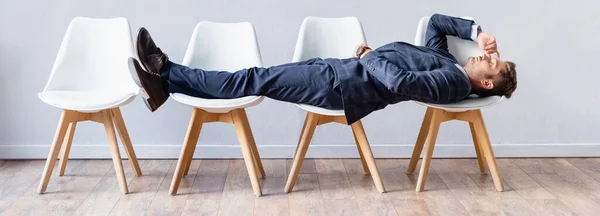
{"x": 309, "y": 82}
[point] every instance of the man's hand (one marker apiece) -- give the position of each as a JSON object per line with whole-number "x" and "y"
{"x": 487, "y": 43}
{"x": 361, "y": 50}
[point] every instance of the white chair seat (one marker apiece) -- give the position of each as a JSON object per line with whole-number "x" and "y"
{"x": 86, "y": 101}
{"x": 321, "y": 111}
{"x": 473, "y": 102}
{"x": 217, "y": 105}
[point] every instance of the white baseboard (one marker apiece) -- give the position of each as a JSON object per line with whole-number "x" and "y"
{"x": 314, "y": 151}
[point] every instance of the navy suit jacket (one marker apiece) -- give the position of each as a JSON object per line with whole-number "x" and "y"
{"x": 401, "y": 71}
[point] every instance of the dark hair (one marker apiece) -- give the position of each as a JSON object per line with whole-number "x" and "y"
{"x": 505, "y": 82}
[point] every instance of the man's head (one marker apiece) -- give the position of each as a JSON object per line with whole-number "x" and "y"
{"x": 491, "y": 76}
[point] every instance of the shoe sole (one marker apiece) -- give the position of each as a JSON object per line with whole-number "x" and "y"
{"x": 133, "y": 69}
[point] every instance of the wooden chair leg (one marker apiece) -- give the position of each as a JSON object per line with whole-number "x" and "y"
{"x": 477, "y": 144}
{"x": 61, "y": 130}
{"x": 188, "y": 162}
{"x": 301, "y": 132}
{"x": 114, "y": 148}
{"x": 431, "y": 138}
{"x": 412, "y": 165}
{"x": 487, "y": 150}
{"x": 187, "y": 150}
{"x": 240, "y": 126}
{"x": 362, "y": 157}
{"x": 255, "y": 154}
{"x": 308, "y": 130}
{"x": 122, "y": 130}
{"x": 260, "y": 172}
{"x": 64, "y": 158}
{"x": 300, "y": 137}
{"x": 361, "y": 136}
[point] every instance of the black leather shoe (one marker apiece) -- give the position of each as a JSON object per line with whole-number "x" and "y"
{"x": 151, "y": 83}
{"x": 149, "y": 54}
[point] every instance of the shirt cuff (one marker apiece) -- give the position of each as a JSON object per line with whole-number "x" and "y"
{"x": 367, "y": 58}
{"x": 474, "y": 29}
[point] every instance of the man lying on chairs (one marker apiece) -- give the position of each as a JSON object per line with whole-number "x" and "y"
{"x": 368, "y": 82}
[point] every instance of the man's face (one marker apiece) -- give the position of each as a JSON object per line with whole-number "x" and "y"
{"x": 483, "y": 68}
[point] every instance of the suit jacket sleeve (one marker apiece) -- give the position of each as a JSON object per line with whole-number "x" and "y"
{"x": 425, "y": 85}
{"x": 441, "y": 25}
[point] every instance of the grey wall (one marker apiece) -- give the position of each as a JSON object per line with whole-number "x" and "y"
{"x": 554, "y": 43}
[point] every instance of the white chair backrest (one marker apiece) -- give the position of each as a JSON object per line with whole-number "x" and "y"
{"x": 461, "y": 49}
{"x": 328, "y": 38}
{"x": 223, "y": 47}
{"x": 93, "y": 56}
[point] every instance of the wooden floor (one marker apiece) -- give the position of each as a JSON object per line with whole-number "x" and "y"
{"x": 564, "y": 186}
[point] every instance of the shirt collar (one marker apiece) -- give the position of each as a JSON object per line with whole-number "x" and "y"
{"x": 467, "y": 76}
{"x": 462, "y": 70}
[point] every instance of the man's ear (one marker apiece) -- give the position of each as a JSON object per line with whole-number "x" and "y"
{"x": 487, "y": 84}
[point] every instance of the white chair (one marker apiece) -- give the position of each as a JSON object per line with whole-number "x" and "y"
{"x": 90, "y": 80}
{"x": 330, "y": 38}
{"x": 468, "y": 110}
{"x": 222, "y": 47}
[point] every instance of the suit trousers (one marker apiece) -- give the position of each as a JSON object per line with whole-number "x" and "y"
{"x": 311, "y": 82}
